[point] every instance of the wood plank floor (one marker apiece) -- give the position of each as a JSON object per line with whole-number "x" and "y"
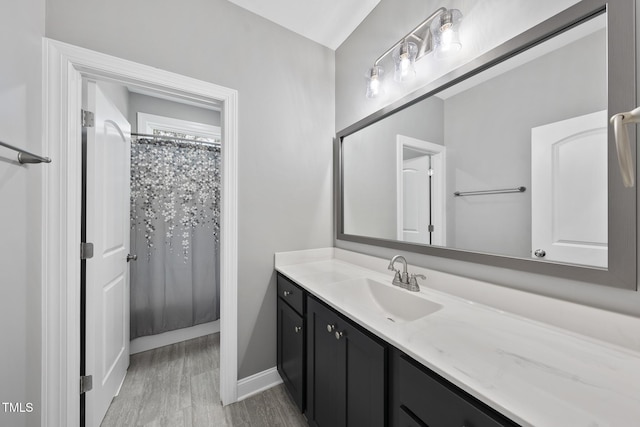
{"x": 177, "y": 386}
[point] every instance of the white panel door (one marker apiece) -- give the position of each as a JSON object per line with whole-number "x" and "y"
{"x": 107, "y": 284}
{"x": 569, "y": 190}
{"x": 416, "y": 200}
{"x": 420, "y": 191}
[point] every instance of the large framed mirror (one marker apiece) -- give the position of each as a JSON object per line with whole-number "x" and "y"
{"x": 509, "y": 160}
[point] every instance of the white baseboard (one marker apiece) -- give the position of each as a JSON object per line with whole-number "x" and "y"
{"x": 150, "y": 342}
{"x": 257, "y": 383}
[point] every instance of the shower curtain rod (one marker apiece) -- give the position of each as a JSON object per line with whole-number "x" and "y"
{"x": 174, "y": 138}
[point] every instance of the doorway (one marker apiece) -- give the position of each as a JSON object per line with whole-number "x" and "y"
{"x": 65, "y": 67}
{"x": 163, "y": 288}
{"x": 420, "y": 192}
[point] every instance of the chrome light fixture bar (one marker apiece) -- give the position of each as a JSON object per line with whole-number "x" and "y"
{"x": 438, "y": 32}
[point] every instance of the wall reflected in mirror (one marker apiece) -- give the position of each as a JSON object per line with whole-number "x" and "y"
{"x": 537, "y": 120}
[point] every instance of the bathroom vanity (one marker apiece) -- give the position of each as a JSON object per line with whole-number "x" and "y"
{"x": 373, "y": 354}
{"x": 349, "y": 373}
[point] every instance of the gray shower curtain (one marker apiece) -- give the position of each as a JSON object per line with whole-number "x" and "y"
{"x": 175, "y": 200}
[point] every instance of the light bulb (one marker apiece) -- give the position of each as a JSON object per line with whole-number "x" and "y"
{"x": 374, "y": 83}
{"x": 405, "y": 63}
{"x": 404, "y": 58}
{"x": 374, "y": 88}
{"x": 447, "y": 40}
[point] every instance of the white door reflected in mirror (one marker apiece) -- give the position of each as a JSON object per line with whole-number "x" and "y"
{"x": 569, "y": 190}
{"x": 420, "y": 194}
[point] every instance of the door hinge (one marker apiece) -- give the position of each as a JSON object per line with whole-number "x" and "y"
{"x": 87, "y": 118}
{"x": 431, "y": 228}
{"x": 86, "y": 250}
{"x": 86, "y": 383}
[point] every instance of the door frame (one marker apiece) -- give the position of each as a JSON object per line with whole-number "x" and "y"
{"x": 64, "y": 67}
{"x": 438, "y": 160}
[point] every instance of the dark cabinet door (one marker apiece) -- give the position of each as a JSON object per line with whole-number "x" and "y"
{"x": 346, "y": 372}
{"x": 327, "y": 370}
{"x": 291, "y": 351}
{"x": 366, "y": 379}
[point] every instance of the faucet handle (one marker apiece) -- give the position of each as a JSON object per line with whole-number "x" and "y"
{"x": 413, "y": 281}
{"x": 397, "y": 275}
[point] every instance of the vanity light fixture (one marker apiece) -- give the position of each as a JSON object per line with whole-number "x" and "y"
{"x": 439, "y": 34}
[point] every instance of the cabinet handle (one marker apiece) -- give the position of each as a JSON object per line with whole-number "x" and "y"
{"x": 339, "y": 335}
{"x": 298, "y": 329}
{"x": 286, "y": 293}
{"x": 330, "y": 328}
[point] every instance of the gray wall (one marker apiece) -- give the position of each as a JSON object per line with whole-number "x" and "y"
{"x": 370, "y": 167}
{"x": 21, "y": 29}
{"x": 488, "y": 139}
{"x": 389, "y": 21}
{"x": 139, "y": 103}
{"x": 286, "y": 109}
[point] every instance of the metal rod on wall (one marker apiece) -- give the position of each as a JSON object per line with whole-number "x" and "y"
{"x": 173, "y": 138}
{"x": 483, "y": 192}
{"x": 25, "y": 156}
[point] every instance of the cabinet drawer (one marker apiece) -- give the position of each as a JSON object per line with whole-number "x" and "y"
{"x": 424, "y": 395}
{"x": 291, "y": 293}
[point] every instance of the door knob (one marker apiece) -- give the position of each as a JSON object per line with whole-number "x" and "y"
{"x": 132, "y": 257}
{"x": 286, "y": 293}
{"x": 338, "y": 335}
{"x": 330, "y": 328}
{"x": 298, "y": 329}
{"x": 540, "y": 253}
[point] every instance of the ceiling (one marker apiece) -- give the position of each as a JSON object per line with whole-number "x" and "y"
{"x": 328, "y": 22}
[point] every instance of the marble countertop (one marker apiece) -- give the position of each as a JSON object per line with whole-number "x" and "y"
{"x": 534, "y": 373}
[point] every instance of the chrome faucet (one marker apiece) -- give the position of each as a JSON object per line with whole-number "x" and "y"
{"x": 398, "y": 279}
{"x": 404, "y": 279}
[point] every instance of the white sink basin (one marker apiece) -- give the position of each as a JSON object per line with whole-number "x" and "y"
{"x": 393, "y": 303}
